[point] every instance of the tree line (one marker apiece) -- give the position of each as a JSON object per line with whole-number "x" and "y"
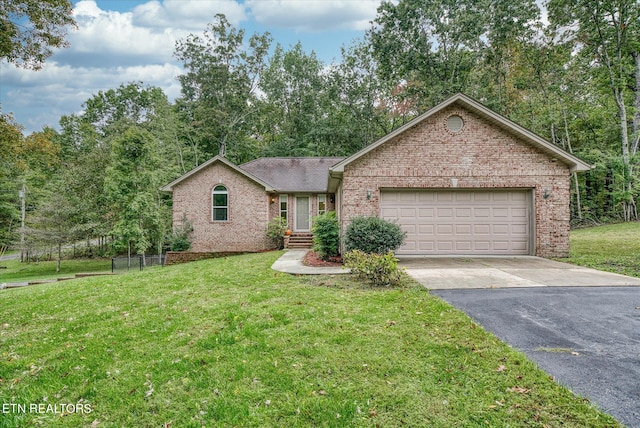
{"x": 574, "y": 80}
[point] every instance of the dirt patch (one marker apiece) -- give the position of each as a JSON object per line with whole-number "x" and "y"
{"x": 312, "y": 259}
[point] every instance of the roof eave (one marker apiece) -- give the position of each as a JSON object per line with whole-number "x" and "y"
{"x": 169, "y": 187}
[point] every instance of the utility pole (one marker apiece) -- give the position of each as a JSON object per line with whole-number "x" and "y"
{"x": 22, "y": 196}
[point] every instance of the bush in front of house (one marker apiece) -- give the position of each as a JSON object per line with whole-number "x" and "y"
{"x": 379, "y": 269}
{"x": 180, "y": 239}
{"x": 326, "y": 235}
{"x": 373, "y": 235}
{"x": 275, "y": 232}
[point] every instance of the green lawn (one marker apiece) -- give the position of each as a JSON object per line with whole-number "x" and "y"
{"x": 229, "y": 342}
{"x": 23, "y": 272}
{"x": 613, "y": 248}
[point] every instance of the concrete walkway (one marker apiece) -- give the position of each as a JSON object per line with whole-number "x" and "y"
{"x": 291, "y": 262}
{"x": 442, "y": 273}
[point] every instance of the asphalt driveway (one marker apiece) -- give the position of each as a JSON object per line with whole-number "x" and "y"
{"x": 587, "y": 338}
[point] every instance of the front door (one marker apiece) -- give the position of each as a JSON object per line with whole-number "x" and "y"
{"x": 303, "y": 218}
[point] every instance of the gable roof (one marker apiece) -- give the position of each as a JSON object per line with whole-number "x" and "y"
{"x": 294, "y": 174}
{"x": 169, "y": 187}
{"x": 575, "y": 164}
{"x": 276, "y": 174}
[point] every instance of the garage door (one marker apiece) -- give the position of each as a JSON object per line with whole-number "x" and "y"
{"x": 465, "y": 222}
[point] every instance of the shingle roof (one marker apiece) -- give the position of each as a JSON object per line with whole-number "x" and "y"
{"x": 293, "y": 174}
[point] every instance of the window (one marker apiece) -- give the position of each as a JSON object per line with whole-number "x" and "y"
{"x": 220, "y": 198}
{"x": 455, "y": 123}
{"x": 284, "y": 207}
{"x": 322, "y": 204}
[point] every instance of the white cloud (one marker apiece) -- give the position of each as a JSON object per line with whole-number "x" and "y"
{"x": 191, "y": 15}
{"x": 110, "y": 48}
{"x": 314, "y": 15}
{"x": 57, "y": 89}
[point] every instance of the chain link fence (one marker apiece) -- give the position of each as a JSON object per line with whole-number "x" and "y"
{"x": 124, "y": 264}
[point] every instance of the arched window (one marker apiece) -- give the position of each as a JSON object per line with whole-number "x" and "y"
{"x": 220, "y": 198}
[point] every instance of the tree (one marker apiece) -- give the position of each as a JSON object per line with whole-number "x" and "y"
{"x": 10, "y": 140}
{"x": 219, "y": 88}
{"x": 429, "y": 48}
{"x": 139, "y": 211}
{"x": 607, "y": 35}
{"x": 31, "y": 29}
{"x": 294, "y": 88}
{"x": 54, "y": 222}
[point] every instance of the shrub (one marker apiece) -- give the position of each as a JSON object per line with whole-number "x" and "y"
{"x": 275, "y": 232}
{"x": 180, "y": 239}
{"x": 378, "y": 269}
{"x": 326, "y": 235}
{"x": 373, "y": 235}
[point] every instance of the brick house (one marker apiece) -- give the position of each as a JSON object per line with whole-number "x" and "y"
{"x": 460, "y": 179}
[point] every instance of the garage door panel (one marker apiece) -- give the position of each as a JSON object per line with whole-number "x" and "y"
{"x": 500, "y": 229}
{"x": 482, "y": 212}
{"x": 463, "y": 212}
{"x": 461, "y": 221}
{"x": 426, "y": 196}
{"x": 500, "y": 212}
{"x": 463, "y": 229}
{"x": 426, "y": 229}
{"x": 427, "y": 246}
{"x": 407, "y": 197}
{"x": 481, "y": 246}
{"x": 391, "y": 212}
{"x": 520, "y": 246}
{"x": 463, "y": 246}
{"x": 519, "y": 213}
{"x": 426, "y": 213}
{"x": 501, "y": 245}
{"x": 444, "y": 230}
{"x": 519, "y": 229}
{"x": 463, "y": 197}
{"x": 445, "y": 246}
{"x": 444, "y": 213}
{"x": 409, "y": 228}
{"x": 408, "y": 213}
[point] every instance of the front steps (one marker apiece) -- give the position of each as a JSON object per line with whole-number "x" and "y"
{"x": 298, "y": 241}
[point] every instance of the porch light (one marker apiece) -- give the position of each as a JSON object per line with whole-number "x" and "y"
{"x": 546, "y": 193}
{"x": 369, "y": 194}
{"x": 273, "y": 200}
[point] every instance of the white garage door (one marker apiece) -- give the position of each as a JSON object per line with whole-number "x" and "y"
{"x": 464, "y": 222}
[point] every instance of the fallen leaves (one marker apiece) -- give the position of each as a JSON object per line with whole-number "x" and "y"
{"x": 501, "y": 368}
{"x": 518, "y": 390}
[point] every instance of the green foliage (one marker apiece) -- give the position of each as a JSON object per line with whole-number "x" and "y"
{"x": 222, "y": 71}
{"x": 275, "y": 232}
{"x": 32, "y": 29}
{"x": 373, "y": 235}
{"x": 180, "y": 239}
{"x": 326, "y": 235}
{"x": 132, "y": 187}
{"x": 379, "y": 269}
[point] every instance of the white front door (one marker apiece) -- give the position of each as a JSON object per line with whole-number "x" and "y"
{"x": 303, "y": 214}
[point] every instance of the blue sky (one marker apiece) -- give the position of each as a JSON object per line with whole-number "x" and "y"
{"x": 119, "y": 41}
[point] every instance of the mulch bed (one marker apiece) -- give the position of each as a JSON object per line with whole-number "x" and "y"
{"x": 312, "y": 259}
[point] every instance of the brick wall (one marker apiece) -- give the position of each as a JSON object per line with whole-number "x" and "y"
{"x": 248, "y": 211}
{"x": 479, "y": 156}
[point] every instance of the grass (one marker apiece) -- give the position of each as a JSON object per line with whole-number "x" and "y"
{"x": 229, "y": 342}
{"x": 23, "y": 272}
{"x": 612, "y": 248}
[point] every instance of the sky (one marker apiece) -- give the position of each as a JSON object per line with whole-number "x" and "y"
{"x": 122, "y": 41}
